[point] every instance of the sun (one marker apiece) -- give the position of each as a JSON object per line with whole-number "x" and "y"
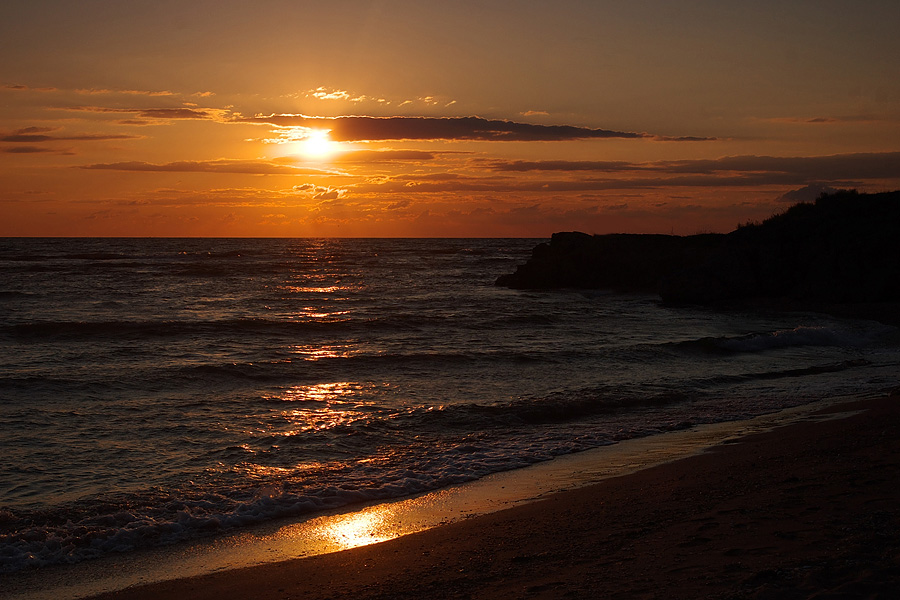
{"x": 317, "y": 145}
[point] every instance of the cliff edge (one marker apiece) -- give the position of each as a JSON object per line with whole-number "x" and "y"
{"x": 844, "y": 248}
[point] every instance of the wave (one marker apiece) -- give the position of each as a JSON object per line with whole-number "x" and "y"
{"x": 299, "y": 367}
{"x": 845, "y": 336}
{"x": 430, "y": 448}
{"x": 96, "y": 526}
{"x": 398, "y": 452}
{"x": 64, "y": 256}
{"x": 54, "y": 385}
{"x": 551, "y": 410}
{"x": 820, "y": 369}
{"x": 799, "y": 336}
{"x": 13, "y": 294}
{"x": 337, "y": 321}
{"x": 116, "y": 329}
{"x": 73, "y": 534}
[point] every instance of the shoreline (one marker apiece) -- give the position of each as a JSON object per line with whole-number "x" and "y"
{"x": 352, "y": 526}
{"x": 495, "y": 555}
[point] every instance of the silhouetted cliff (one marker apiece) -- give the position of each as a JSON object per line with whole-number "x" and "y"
{"x": 624, "y": 262}
{"x": 845, "y": 248}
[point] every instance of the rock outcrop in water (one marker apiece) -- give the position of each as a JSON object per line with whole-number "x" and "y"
{"x": 623, "y": 262}
{"x": 845, "y": 248}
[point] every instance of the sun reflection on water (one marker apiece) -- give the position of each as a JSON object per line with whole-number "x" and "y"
{"x": 322, "y": 406}
{"x": 319, "y": 392}
{"x": 316, "y": 313}
{"x": 265, "y": 472}
{"x": 303, "y": 289}
{"x": 314, "y": 353}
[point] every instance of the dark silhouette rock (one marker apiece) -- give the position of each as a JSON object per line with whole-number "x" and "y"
{"x": 844, "y": 248}
{"x": 625, "y": 262}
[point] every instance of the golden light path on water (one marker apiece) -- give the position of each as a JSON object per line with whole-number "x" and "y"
{"x": 319, "y": 406}
{"x": 385, "y": 521}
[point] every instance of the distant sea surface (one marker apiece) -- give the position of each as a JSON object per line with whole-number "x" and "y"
{"x": 158, "y": 390}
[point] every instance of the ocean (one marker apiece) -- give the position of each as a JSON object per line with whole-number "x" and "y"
{"x": 156, "y": 391}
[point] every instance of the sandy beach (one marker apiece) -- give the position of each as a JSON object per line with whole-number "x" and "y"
{"x": 807, "y": 510}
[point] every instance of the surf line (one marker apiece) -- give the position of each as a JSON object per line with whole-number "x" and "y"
{"x": 381, "y": 521}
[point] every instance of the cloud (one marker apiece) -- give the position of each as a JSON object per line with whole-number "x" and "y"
{"x": 36, "y": 129}
{"x": 435, "y": 177}
{"x": 30, "y": 135}
{"x": 212, "y": 166}
{"x": 562, "y": 165}
{"x": 377, "y": 156}
{"x": 844, "y": 170}
{"x": 360, "y": 128}
{"x": 684, "y": 138}
{"x": 343, "y": 97}
{"x": 873, "y": 165}
{"x": 323, "y": 93}
{"x": 174, "y": 113}
{"x": 104, "y": 92}
{"x": 823, "y": 120}
{"x": 806, "y": 194}
{"x": 328, "y": 195}
{"x": 158, "y": 113}
{"x": 883, "y": 165}
{"x": 26, "y": 88}
{"x": 26, "y": 150}
{"x": 252, "y": 196}
{"x": 399, "y": 204}
{"x": 319, "y": 192}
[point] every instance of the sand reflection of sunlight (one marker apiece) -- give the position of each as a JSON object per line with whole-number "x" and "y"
{"x": 369, "y": 526}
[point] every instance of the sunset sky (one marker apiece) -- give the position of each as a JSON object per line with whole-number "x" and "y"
{"x": 394, "y": 118}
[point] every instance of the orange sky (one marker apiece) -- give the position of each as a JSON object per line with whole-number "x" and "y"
{"x": 443, "y": 119}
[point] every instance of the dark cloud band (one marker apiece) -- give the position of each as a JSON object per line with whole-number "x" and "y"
{"x": 34, "y": 138}
{"x": 357, "y": 129}
{"x": 247, "y": 167}
{"x": 833, "y": 167}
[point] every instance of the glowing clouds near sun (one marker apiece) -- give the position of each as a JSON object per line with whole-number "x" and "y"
{"x": 310, "y": 143}
{"x": 317, "y": 145}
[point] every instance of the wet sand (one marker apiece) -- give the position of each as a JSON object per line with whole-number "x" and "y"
{"x": 808, "y": 510}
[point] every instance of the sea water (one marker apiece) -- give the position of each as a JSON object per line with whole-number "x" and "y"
{"x": 156, "y": 391}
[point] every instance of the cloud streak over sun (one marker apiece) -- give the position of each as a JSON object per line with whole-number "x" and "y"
{"x": 370, "y": 129}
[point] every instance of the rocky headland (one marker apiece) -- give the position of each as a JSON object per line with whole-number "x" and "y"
{"x": 844, "y": 249}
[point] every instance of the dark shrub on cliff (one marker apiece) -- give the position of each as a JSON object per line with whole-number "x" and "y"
{"x": 845, "y": 248}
